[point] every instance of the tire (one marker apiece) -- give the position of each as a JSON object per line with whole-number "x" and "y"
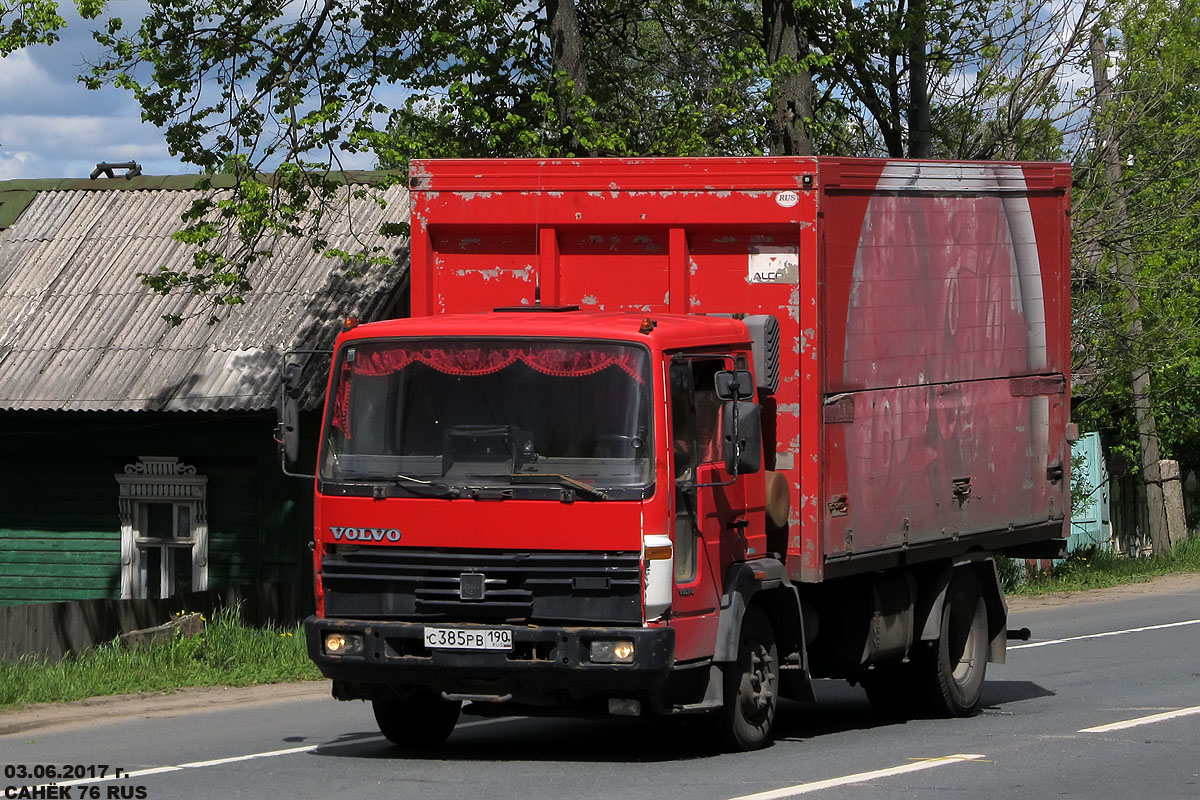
{"x": 751, "y": 685}
{"x": 955, "y": 667}
{"x": 422, "y": 719}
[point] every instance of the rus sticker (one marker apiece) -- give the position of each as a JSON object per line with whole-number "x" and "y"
{"x": 787, "y": 199}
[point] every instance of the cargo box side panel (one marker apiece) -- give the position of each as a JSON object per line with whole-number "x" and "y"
{"x": 946, "y": 461}
{"x": 946, "y": 352}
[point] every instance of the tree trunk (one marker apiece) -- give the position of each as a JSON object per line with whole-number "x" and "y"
{"x": 920, "y": 139}
{"x": 792, "y": 94}
{"x": 570, "y": 67}
{"x": 1147, "y": 431}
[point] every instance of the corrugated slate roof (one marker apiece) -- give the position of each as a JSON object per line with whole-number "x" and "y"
{"x": 79, "y": 331}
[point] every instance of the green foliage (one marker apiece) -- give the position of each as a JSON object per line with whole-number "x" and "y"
{"x": 1156, "y": 113}
{"x": 27, "y": 22}
{"x": 1082, "y": 492}
{"x": 227, "y": 653}
{"x": 1093, "y": 568}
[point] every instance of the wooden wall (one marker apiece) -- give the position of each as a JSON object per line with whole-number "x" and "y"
{"x": 59, "y": 527}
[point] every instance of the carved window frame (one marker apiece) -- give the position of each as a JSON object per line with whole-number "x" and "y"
{"x": 160, "y": 480}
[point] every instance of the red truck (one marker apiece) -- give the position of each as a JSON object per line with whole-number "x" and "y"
{"x": 680, "y": 435}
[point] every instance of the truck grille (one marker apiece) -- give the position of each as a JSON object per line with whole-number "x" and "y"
{"x": 450, "y": 586}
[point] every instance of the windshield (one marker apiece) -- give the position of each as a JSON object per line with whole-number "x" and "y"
{"x": 490, "y": 413}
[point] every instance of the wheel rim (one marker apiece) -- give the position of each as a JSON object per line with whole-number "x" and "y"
{"x": 964, "y": 641}
{"x": 758, "y": 683}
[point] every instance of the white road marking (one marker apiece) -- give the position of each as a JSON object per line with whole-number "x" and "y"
{"x": 216, "y": 762}
{"x": 1150, "y": 720}
{"x": 861, "y": 777}
{"x": 1106, "y": 634}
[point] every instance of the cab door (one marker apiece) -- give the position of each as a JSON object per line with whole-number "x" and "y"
{"x": 711, "y": 520}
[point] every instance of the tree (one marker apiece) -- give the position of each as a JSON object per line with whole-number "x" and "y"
{"x": 979, "y": 79}
{"x": 791, "y": 96}
{"x": 1137, "y": 271}
{"x": 251, "y": 87}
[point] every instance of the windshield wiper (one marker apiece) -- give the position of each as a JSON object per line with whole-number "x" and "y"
{"x": 585, "y": 489}
{"x": 419, "y": 487}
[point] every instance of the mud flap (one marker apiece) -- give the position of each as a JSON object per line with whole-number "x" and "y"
{"x": 993, "y": 597}
{"x": 766, "y": 582}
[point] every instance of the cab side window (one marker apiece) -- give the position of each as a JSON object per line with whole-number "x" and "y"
{"x": 683, "y": 436}
{"x": 695, "y": 432}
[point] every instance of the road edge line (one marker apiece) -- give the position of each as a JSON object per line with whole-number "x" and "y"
{"x": 861, "y": 777}
{"x": 1106, "y": 634}
{"x": 1133, "y": 723}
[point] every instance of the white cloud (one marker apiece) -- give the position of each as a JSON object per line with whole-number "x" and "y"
{"x": 70, "y": 146}
{"x": 53, "y": 127}
{"x": 15, "y": 165}
{"x": 26, "y": 87}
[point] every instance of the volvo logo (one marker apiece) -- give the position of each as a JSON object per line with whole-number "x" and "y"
{"x": 365, "y": 534}
{"x": 471, "y": 586}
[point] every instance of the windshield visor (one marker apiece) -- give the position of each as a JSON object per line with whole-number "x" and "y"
{"x": 490, "y": 412}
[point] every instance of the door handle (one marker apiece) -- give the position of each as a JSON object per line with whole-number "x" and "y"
{"x": 738, "y": 525}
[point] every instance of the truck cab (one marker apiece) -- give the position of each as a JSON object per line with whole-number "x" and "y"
{"x": 536, "y": 507}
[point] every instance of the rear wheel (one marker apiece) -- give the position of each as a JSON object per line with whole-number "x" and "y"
{"x": 752, "y": 685}
{"x": 418, "y": 719}
{"x": 953, "y": 670}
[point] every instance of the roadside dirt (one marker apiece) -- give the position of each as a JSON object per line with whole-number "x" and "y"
{"x": 49, "y": 717}
{"x": 1166, "y": 584}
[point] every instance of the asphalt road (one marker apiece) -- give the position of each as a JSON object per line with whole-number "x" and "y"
{"x": 1042, "y": 735}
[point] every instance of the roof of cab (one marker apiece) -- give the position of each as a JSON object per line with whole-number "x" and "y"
{"x": 669, "y": 331}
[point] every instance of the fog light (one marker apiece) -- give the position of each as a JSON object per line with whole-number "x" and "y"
{"x": 624, "y": 708}
{"x": 343, "y": 644}
{"x": 619, "y": 652}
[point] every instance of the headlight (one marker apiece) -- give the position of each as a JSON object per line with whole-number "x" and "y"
{"x": 618, "y": 652}
{"x": 343, "y": 644}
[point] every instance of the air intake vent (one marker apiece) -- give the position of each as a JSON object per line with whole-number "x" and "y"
{"x": 483, "y": 586}
{"x": 764, "y": 335}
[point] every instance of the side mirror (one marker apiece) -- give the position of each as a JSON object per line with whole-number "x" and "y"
{"x": 293, "y": 371}
{"x": 741, "y": 436}
{"x": 737, "y": 384}
{"x": 287, "y": 432}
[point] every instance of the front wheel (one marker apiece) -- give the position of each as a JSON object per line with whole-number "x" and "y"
{"x": 416, "y": 720}
{"x": 752, "y": 685}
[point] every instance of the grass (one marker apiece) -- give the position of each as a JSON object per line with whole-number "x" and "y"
{"x": 1092, "y": 568}
{"x": 227, "y": 653}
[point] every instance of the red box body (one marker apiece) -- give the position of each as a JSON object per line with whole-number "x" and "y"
{"x": 924, "y": 308}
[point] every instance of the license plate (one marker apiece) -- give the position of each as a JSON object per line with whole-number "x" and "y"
{"x": 468, "y": 638}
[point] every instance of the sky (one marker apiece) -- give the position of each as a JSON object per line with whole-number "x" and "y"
{"x": 52, "y": 127}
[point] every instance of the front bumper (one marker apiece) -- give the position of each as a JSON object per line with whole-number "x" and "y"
{"x": 543, "y": 659}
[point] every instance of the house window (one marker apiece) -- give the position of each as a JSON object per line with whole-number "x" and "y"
{"x": 164, "y": 528}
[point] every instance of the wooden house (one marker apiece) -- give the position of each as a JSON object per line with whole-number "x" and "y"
{"x": 137, "y": 458}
